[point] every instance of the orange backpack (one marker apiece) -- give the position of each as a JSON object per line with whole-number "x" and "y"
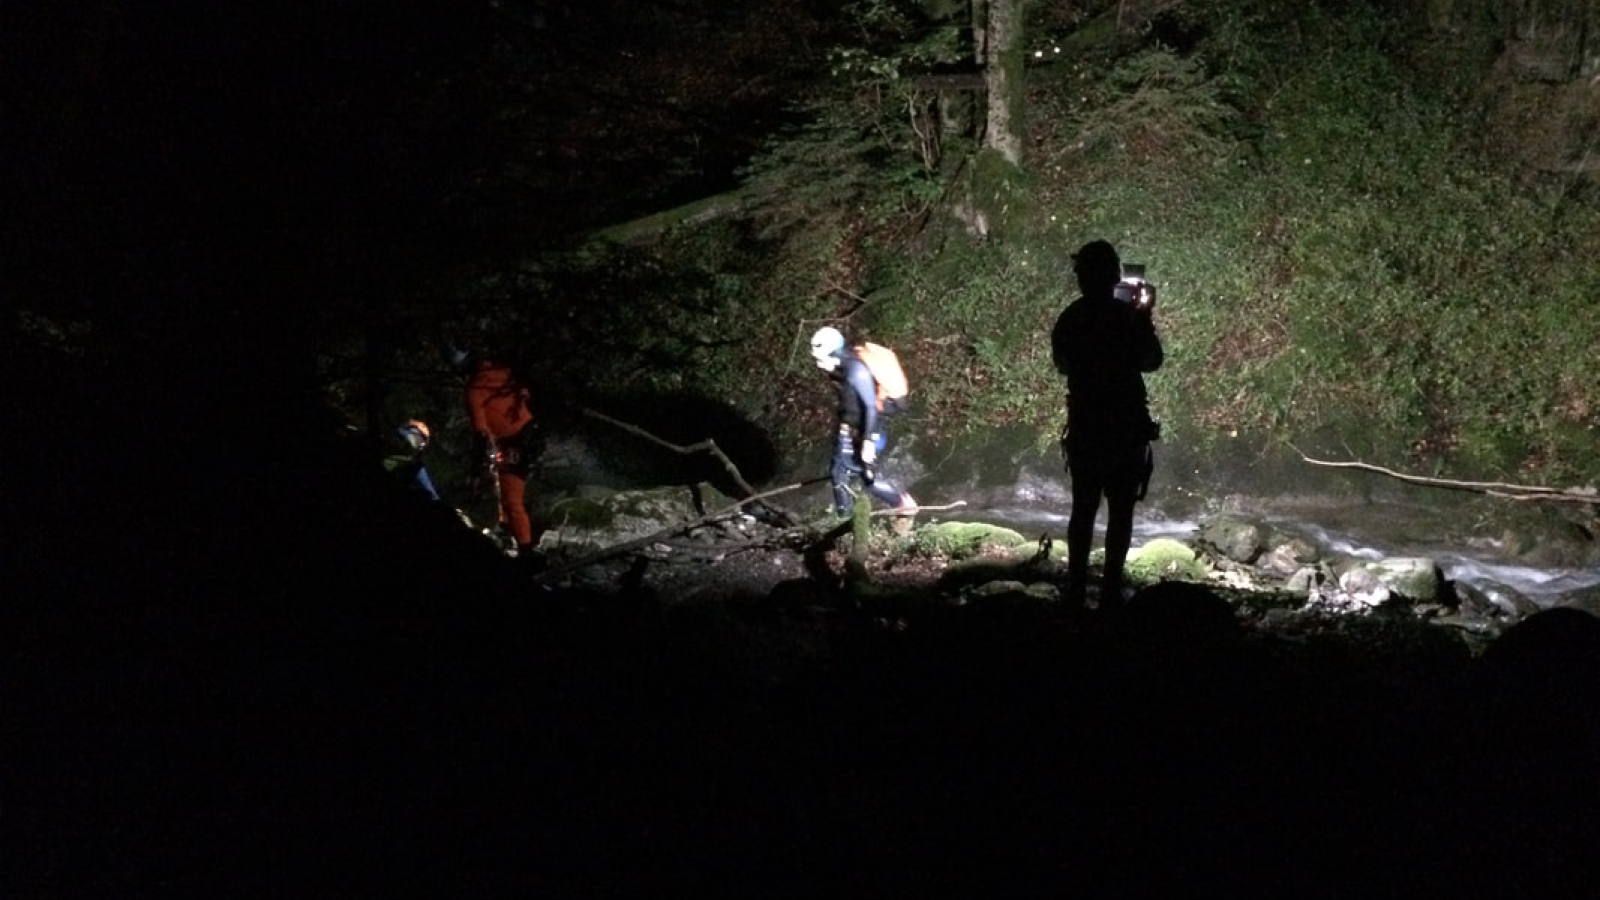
{"x": 890, "y": 377}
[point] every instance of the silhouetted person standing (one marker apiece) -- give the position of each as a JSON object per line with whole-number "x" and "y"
{"x": 1103, "y": 345}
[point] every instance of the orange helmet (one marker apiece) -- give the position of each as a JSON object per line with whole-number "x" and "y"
{"x": 416, "y": 431}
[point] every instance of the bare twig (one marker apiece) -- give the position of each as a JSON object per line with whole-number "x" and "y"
{"x": 708, "y": 445}
{"x": 920, "y": 508}
{"x": 1492, "y": 488}
{"x": 860, "y": 301}
{"x": 800, "y": 325}
{"x": 1567, "y": 495}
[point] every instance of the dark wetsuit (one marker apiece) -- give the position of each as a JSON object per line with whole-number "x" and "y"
{"x": 858, "y": 420}
{"x": 1103, "y": 347}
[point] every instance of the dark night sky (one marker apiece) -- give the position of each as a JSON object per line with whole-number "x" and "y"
{"x": 298, "y": 130}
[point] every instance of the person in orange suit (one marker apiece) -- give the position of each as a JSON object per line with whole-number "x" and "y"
{"x": 499, "y": 406}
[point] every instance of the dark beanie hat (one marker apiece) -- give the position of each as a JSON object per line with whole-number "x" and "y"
{"x": 1097, "y": 262}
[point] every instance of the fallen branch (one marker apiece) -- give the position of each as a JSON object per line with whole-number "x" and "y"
{"x": 1492, "y": 488}
{"x": 891, "y": 511}
{"x": 708, "y": 445}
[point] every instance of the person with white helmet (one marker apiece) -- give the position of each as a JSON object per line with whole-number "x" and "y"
{"x": 861, "y": 426}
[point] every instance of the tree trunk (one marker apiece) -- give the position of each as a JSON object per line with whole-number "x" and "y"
{"x": 649, "y": 228}
{"x": 991, "y": 195}
{"x": 1003, "y": 59}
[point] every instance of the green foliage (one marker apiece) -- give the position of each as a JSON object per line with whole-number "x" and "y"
{"x": 829, "y": 170}
{"x": 676, "y": 316}
{"x": 869, "y": 142}
{"x": 1154, "y": 101}
{"x": 1332, "y": 254}
{"x": 984, "y": 313}
{"x": 1356, "y": 268}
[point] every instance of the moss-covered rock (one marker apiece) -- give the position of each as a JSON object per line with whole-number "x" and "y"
{"x": 1164, "y": 559}
{"x": 962, "y": 540}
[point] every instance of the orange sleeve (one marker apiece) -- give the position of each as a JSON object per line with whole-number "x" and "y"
{"x": 497, "y": 403}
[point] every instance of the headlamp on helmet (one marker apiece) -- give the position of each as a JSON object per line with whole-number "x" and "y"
{"x": 416, "y": 434}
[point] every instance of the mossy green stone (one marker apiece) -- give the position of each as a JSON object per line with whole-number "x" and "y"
{"x": 959, "y": 540}
{"x": 1164, "y": 559}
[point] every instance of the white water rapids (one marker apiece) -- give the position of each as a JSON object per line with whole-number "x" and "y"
{"x": 1543, "y": 586}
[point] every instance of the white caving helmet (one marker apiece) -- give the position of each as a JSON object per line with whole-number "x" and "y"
{"x": 825, "y": 347}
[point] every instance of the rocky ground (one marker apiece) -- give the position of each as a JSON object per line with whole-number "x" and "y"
{"x": 367, "y": 699}
{"x": 950, "y": 727}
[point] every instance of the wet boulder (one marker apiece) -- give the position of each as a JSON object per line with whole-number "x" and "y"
{"x": 1552, "y": 541}
{"x": 1418, "y": 579}
{"x": 1232, "y": 538}
{"x": 1287, "y": 554}
{"x": 596, "y": 518}
{"x": 1492, "y": 599}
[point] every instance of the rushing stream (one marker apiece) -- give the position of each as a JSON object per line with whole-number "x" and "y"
{"x": 1343, "y": 515}
{"x": 1545, "y": 586}
{"x": 1003, "y": 476}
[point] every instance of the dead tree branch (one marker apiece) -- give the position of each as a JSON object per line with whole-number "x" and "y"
{"x": 708, "y": 445}
{"x": 890, "y": 511}
{"x": 1500, "y": 489}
